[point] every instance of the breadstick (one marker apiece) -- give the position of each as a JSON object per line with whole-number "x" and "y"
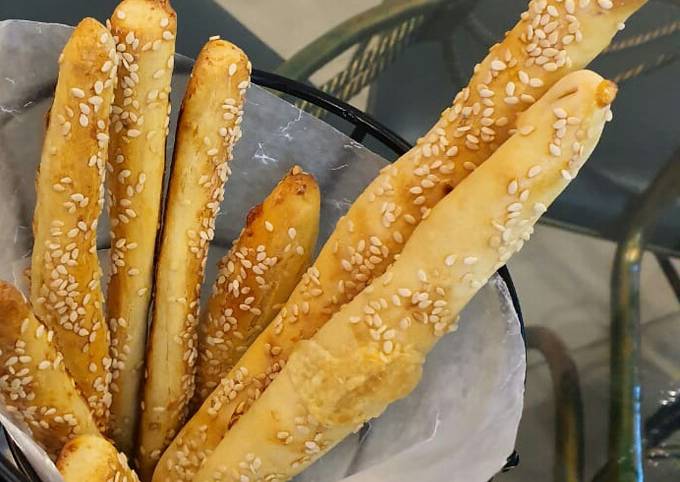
{"x": 34, "y": 385}
{"x": 371, "y": 352}
{"x": 257, "y": 275}
{"x": 145, "y": 31}
{"x": 209, "y": 126}
{"x": 383, "y": 217}
{"x": 90, "y": 458}
{"x": 65, "y": 273}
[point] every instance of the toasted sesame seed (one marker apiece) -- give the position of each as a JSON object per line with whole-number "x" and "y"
{"x": 540, "y": 208}
{"x": 78, "y": 93}
{"x": 120, "y": 14}
{"x": 566, "y": 174}
{"x": 422, "y": 276}
{"x": 292, "y": 233}
{"x": 450, "y": 260}
{"x": 165, "y": 21}
{"x": 605, "y": 4}
{"x": 470, "y": 260}
{"x": 526, "y": 130}
{"x": 560, "y": 113}
{"x": 167, "y": 35}
{"x": 534, "y": 171}
{"x": 555, "y": 150}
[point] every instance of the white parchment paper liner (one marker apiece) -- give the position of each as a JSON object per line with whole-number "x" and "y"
{"x": 461, "y": 422}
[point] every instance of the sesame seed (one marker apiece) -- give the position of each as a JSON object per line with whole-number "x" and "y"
{"x": 159, "y": 73}
{"x": 510, "y": 88}
{"x": 292, "y": 233}
{"x": 526, "y": 130}
{"x": 450, "y": 259}
{"x": 555, "y": 150}
{"x": 534, "y": 171}
{"x": 107, "y": 66}
{"x": 452, "y": 151}
{"x": 605, "y": 4}
{"x": 133, "y": 133}
{"x": 165, "y": 21}
{"x": 76, "y": 92}
{"x": 566, "y": 175}
{"x": 83, "y": 120}
{"x": 470, "y": 260}
{"x": 388, "y": 346}
{"x": 167, "y": 35}
{"x": 268, "y": 226}
{"x": 560, "y": 113}
{"x": 120, "y": 14}
{"x": 422, "y": 276}
{"x": 498, "y": 65}
{"x": 540, "y": 208}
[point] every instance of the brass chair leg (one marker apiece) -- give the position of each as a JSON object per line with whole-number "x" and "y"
{"x": 569, "y": 433}
{"x": 625, "y": 425}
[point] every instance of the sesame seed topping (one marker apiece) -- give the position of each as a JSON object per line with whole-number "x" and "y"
{"x": 526, "y": 130}
{"x": 605, "y": 4}
{"x": 450, "y": 259}
{"x": 534, "y": 171}
{"x": 555, "y": 150}
{"x": 167, "y": 35}
{"x": 498, "y": 65}
{"x": 566, "y": 174}
{"x": 165, "y": 21}
{"x": 292, "y": 233}
{"x": 470, "y": 260}
{"x": 560, "y": 113}
{"x": 76, "y": 92}
{"x": 268, "y": 226}
{"x": 540, "y": 208}
{"x": 120, "y": 14}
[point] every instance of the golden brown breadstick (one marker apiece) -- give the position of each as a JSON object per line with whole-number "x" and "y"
{"x": 90, "y": 458}
{"x": 34, "y": 385}
{"x": 145, "y": 32}
{"x": 209, "y": 126}
{"x": 381, "y": 220}
{"x": 257, "y": 275}
{"x": 371, "y": 352}
{"x": 65, "y": 274}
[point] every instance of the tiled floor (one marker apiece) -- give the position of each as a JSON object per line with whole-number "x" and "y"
{"x": 562, "y": 279}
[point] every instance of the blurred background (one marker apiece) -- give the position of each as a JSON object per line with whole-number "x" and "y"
{"x": 402, "y": 61}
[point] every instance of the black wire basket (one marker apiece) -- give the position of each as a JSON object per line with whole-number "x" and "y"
{"x": 362, "y": 127}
